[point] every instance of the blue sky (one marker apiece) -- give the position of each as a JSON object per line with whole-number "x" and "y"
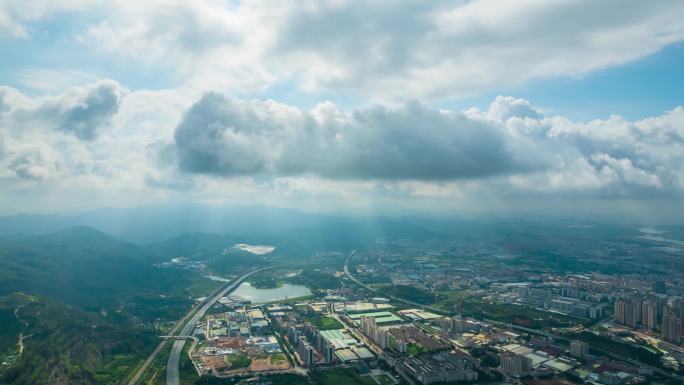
{"x": 636, "y": 90}
{"x": 483, "y": 105}
{"x": 645, "y": 87}
{"x": 639, "y": 88}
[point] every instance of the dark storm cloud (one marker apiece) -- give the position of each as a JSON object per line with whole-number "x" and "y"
{"x": 227, "y": 137}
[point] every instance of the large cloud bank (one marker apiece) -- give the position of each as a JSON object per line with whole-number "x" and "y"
{"x": 229, "y": 137}
{"x": 103, "y": 137}
{"x": 382, "y": 50}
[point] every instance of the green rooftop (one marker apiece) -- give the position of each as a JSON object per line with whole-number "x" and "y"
{"x": 376, "y": 314}
{"x": 381, "y": 317}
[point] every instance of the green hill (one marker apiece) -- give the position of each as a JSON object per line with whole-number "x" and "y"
{"x": 89, "y": 304}
{"x": 64, "y": 345}
{"x": 84, "y": 268}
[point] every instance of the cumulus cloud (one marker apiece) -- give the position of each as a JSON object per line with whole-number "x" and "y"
{"x": 511, "y": 143}
{"x": 385, "y": 50}
{"x": 36, "y": 164}
{"x": 63, "y": 136}
{"x": 80, "y": 111}
{"x": 623, "y": 169}
{"x": 223, "y": 136}
{"x": 505, "y": 107}
{"x": 266, "y": 151}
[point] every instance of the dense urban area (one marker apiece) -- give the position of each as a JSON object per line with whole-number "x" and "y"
{"x": 452, "y": 312}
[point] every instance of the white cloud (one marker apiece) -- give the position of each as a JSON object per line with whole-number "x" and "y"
{"x": 222, "y": 136}
{"x": 427, "y": 151}
{"x": 67, "y": 137}
{"x": 16, "y": 17}
{"x": 624, "y": 170}
{"x": 384, "y": 51}
{"x": 270, "y": 152}
{"x": 43, "y": 79}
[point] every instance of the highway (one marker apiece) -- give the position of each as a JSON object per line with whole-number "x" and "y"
{"x": 138, "y": 374}
{"x": 510, "y": 326}
{"x": 172, "y": 377}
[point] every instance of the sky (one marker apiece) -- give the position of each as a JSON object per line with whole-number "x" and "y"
{"x": 480, "y": 107}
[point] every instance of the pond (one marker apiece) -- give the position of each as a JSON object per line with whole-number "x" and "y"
{"x": 249, "y": 292}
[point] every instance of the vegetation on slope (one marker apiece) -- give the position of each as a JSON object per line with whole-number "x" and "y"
{"x": 64, "y": 345}
{"x": 91, "y": 309}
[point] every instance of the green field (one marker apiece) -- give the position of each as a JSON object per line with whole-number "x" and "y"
{"x": 278, "y": 358}
{"x": 239, "y": 361}
{"x": 449, "y": 298}
{"x": 605, "y": 343}
{"x": 340, "y": 377}
{"x": 410, "y": 293}
{"x": 519, "y": 315}
{"x": 324, "y": 323}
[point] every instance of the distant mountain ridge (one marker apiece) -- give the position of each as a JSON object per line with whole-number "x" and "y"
{"x": 157, "y": 223}
{"x": 80, "y": 266}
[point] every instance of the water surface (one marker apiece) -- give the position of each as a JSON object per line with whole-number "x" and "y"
{"x": 249, "y": 292}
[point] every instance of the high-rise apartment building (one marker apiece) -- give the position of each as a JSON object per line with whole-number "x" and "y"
{"x": 515, "y": 365}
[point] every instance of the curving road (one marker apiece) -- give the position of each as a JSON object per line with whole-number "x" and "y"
{"x": 172, "y": 377}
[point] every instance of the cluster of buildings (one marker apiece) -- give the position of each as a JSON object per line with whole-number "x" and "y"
{"x": 424, "y": 347}
{"x": 458, "y": 326}
{"x": 518, "y": 360}
{"x": 240, "y": 322}
{"x": 400, "y": 338}
{"x": 237, "y": 342}
{"x": 551, "y": 295}
{"x": 412, "y": 349}
{"x": 438, "y": 368}
{"x": 539, "y": 358}
{"x": 515, "y": 356}
{"x": 316, "y": 347}
{"x": 371, "y": 332}
{"x": 428, "y": 348}
{"x": 355, "y": 307}
{"x": 652, "y": 312}
{"x": 643, "y": 294}
{"x": 305, "y": 350}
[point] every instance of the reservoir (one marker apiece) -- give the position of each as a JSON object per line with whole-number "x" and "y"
{"x": 249, "y": 292}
